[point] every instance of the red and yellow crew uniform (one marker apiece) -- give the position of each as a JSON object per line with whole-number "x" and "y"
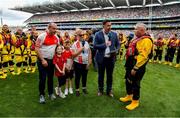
{"x": 153, "y": 50}
{"x": 72, "y": 39}
{"x": 171, "y": 49}
{"x": 166, "y": 41}
{"x": 178, "y": 54}
{"x": 1, "y": 46}
{"x": 7, "y": 53}
{"x": 32, "y": 52}
{"x": 137, "y": 55}
{"x": 123, "y": 41}
{"x": 67, "y": 37}
{"x": 28, "y": 35}
{"x": 158, "y": 49}
{"x": 21, "y": 53}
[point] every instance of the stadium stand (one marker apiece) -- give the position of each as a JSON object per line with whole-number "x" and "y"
{"x": 160, "y": 16}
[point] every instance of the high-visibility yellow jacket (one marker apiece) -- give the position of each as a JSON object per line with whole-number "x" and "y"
{"x": 159, "y": 44}
{"x": 172, "y": 43}
{"x": 22, "y": 48}
{"x": 1, "y": 42}
{"x": 123, "y": 41}
{"x": 8, "y": 43}
{"x": 144, "y": 48}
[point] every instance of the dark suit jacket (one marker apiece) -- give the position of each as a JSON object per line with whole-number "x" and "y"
{"x": 100, "y": 45}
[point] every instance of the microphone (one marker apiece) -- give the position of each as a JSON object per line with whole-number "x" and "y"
{"x": 109, "y": 36}
{"x": 83, "y": 43}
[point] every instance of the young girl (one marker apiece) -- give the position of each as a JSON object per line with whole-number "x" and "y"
{"x": 59, "y": 62}
{"x": 67, "y": 54}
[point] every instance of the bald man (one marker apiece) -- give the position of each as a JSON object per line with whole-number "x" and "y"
{"x": 45, "y": 48}
{"x": 137, "y": 56}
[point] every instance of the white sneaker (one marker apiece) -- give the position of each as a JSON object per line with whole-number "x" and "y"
{"x": 57, "y": 91}
{"x": 71, "y": 90}
{"x": 42, "y": 99}
{"x": 52, "y": 97}
{"x": 66, "y": 91}
{"x": 61, "y": 94}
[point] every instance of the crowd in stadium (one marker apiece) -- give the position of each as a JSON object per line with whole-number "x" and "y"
{"x": 171, "y": 10}
{"x": 166, "y": 32}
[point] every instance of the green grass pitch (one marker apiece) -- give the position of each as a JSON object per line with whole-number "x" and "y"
{"x": 160, "y": 89}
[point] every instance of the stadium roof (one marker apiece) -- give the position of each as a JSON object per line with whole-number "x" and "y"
{"x": 86, "y": 5}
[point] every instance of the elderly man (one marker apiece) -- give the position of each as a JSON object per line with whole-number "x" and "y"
{"x": 137, "y": 56}
{"x": 45, "y": 48}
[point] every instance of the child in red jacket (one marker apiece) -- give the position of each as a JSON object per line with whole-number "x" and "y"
{"x": 60, "y": 64}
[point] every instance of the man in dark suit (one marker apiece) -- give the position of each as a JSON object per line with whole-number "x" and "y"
{"x": 107, "y": 44}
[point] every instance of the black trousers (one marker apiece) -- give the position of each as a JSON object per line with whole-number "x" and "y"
{"x": 108, "y": 65}
{"x": 69, "y": 74}
{"x": 0, "y": 62}
{"x": 133, "y": 82}
{"x": 121, "y": 52}
{"x": 19, "y": 64}
{"x": 43, "y": 73}
{"x": 158, "y": 54}
{"x": 93, "y": 51}
{"x": 9, "y": 63}
{"x": 33, "y": 64}
{"x": 62, "y": 80}
{"x": 178, "y": 56}
{"x": 170, "y": 54}
{"x": 80, "y": 71}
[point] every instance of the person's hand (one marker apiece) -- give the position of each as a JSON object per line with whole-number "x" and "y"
{"x": 133, "y": 72}
{"x": 81, "y": 49}
{"x": 44, "y": 63}
{"x": 63, "y": 72}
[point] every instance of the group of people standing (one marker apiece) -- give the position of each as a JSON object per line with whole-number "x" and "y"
{"x": 167, "y": 47}
{"x": 17, "y": 51}
{"x": 57, "y": 53}
{"x": 171, "y": 46}
{"x": 66, "y": 57}
{"x": 70, "y": 57}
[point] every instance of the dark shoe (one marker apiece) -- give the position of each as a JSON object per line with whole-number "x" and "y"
{"x": 77, "y": 93}
{"x": 100, "y": 93}
{"x": 85, "y": 91}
